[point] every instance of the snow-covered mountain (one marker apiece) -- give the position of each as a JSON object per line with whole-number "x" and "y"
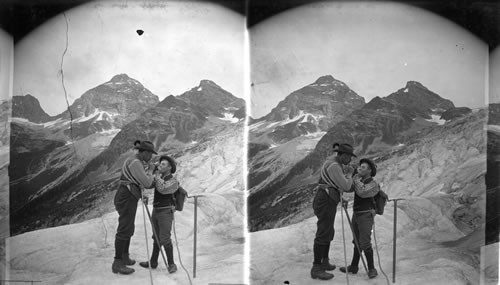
{"x": 77, "y": 174}
{"x": 28, "y": 107}
{"x": 48, "y": 150}
{"x": 291, "y": 130}
{"x": 440, "y": 230}
{"x": 206, "y": 141}
{"x": 379, "y": 128}
{"x": 55, "y": 147}
{"x": 313, "y": 108}
{"x": 214, "y": 101}
{"x": 82, "y": 252}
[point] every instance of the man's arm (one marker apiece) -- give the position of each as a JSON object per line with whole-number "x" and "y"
{"x": 344, "y": 182}
{"x": 353, "y": 186}
{"x": 137, "y": 171}
{"x": 367, "y": 190}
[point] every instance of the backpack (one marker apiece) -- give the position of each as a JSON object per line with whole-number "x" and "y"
{"x": 180, "y": 196}
{"x": 379, "y": 201}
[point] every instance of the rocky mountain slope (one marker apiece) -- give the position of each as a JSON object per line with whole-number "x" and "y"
{"x": 440, "y": 173}
{"x": 382, "y": 126}
{"x": 313, "y": 108}
{"x": 47, "y": 151}
{"x": 493, "y": 175}
{"x": 5, "y": 107}
{"x": 67, "y": 179}
{"x": 291, "y": 130}
{"x": 28, "y": 107}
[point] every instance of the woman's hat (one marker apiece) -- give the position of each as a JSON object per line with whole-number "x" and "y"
{"x": 172, "y": 162}
{"x": 372, "y": 165}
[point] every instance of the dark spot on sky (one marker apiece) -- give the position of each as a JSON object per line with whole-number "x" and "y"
{"x": 286, "y": 282}
{"x": 140, "y": 32}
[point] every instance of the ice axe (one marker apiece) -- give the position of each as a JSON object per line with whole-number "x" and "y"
{"x": 394, "y": 239}
{"x": 195, "y": 197}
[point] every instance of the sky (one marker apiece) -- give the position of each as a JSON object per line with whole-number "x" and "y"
{"x": 183, "y": 43}
{"x": 494, "y": 77}
{"x": 6, "y": 64}
{"x": 375, "y": 48}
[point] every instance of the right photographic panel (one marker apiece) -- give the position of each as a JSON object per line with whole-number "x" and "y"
{"x": 368, "y": 147}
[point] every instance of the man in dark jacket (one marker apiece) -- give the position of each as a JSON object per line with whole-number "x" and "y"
{"x": 132, "y": 181}
{"x": 335, "y": 177}
{"x": 165, "y": 186}
{"x": 365, "y": 188}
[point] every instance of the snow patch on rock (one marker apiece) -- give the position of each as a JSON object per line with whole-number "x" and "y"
{"x": 436, "y": 119}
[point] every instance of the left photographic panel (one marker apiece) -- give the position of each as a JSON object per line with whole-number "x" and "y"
{"x": 126, "y": 145}
{"x": 6, "y": 68}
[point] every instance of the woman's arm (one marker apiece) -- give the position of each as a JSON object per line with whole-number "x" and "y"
{"x": 168, "y": 186}
{"x": 370, "y": 189}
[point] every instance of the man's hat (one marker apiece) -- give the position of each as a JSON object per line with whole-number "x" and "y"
{"x": 147, "y": 146}
{"x": 170, "y": 160}
{"x": 344, "y": 148}
{"x": 372, "y": 165}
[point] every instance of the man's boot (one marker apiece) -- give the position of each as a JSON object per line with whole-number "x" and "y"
{"x": 317, "y": 272}
{"x": 118, "y": 265}
{"x": 353, "y": 268}
{"x": 372, "y": 272}
{"x": 154, "y": 258}
{"x": 125, "y": 256}
{"x": 169, "y": 250}
{"x": 325, "y": 261}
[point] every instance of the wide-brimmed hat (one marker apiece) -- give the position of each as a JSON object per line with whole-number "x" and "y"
{"x": 147, "y": 146}
{"x": 344, "y": 148}
{"x": 372, "y": 165}
{"x": 172, "y": 162}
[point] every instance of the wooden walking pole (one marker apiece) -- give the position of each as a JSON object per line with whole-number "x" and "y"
{"x": 394, "y": 239}
{"x": 354, "y": 236}
{"x": 194, "y": 240}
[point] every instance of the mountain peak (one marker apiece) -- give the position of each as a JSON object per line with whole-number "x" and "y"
{"x": 120, "y": 77}
{"x": 410, "y": 84}
{"x": 212, "y": 98}
{"x": 28, "y": 107}
{"x": 418, "y": 97}
{"x": 208, "y": 83}
{"x": 325, "y": 79}
{"x": 29, "y": 96}
{"x": 378, "y": 103}
{"x": 124, "y": 78}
